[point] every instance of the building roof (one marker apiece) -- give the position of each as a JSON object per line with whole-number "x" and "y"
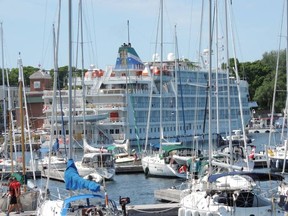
{"x": 40, "y": 74}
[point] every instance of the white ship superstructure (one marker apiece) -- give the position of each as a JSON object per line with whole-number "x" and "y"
{"x": 123, "y": 93}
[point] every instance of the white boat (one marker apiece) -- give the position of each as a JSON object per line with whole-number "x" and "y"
{"x": 278, "y": 158}
{"x": 81, "y": 204}
{"x": 122, "y": 157}
{"x": 231, "y": 194}
{"x": 173, "y": 161}
{"x": 100, "y": 162}
{"x": 237, "y": 137}
{"x": 56, "y": 160}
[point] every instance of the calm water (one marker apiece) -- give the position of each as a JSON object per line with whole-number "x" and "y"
{"x": 136, "y": 186}
{"x": 141, "y": 189}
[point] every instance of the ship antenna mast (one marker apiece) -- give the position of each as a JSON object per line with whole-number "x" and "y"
{"x": 128, "y": 32}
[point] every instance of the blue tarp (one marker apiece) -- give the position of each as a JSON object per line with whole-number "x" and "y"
{"x": 67, "y": 201}
{"x": 73, "y": 181}
{"x": 55, "y": 147}
{"x": 44, "y": 150}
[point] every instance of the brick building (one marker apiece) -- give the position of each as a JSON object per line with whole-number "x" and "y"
{"x": 39, "y": 81}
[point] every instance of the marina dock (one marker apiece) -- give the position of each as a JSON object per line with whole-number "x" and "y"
{"x": 168, "y": 195}
{"x": 127, "y": 169}
{"x": 167, "y": 209}
{"x": 26, "y": 213}
{"x": 29, "y": 174}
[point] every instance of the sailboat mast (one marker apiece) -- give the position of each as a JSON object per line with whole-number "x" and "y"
{"x": 286, "y": 105}
{"x": 161, "y": 76}
{"x": 209, "y": 88}
{"x": 70, "y": 76}
{"x": 4, "y": 89}
{"x": 228, "y": 84}
{"x": 82, "y": 70}
{"x": 176, "y": 83}
{"x": 21, "y": 113}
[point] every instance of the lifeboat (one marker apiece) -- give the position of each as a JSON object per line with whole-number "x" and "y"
{"x": 156, "y": 71}
{"x": 114, "y": 116}
{"x": 87, "y": 74}
{"x": 144, "y": 72}
{"x": 112, "y": 74}
{"x": 97, "y": 73}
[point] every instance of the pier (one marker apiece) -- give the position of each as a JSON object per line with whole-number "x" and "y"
{"x": 168, "y": 195}
{"x": 29, "y": 174}
{"x": 167, "y": 209}
{"x": 127, "y": 169}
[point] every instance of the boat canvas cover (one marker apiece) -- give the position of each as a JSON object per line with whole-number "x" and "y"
{"x": 254, "y": 175}
{"x": 73, "y": 181}
{"x": 128, "y": 58}
{"x": 67, "y": 201}
{"x": 55, "y": 147}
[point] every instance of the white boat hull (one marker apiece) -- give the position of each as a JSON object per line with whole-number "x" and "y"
{"x": 155, "y": 166}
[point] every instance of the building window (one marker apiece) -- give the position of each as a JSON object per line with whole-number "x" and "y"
{"x": 36, "y": 84}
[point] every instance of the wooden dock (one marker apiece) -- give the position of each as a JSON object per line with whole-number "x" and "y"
{"x": 127, "y": 169}
{"x": 167, "y": 209}
{"x": 168, "y": 195}
{"x": 29, "y": 174}
{"x": 26, "y": 213}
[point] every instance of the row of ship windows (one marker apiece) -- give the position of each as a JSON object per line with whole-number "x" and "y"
{"x": 189, "y": 116}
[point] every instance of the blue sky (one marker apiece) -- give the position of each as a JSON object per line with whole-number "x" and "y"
{"x": 27, "y": 26}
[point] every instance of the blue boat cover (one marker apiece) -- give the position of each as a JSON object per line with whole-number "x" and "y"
{"x": 73, "y": 181}
{"x": 55, "y": 147}
{"x": 67, "y": 201}
{"x": 254, "y": 175}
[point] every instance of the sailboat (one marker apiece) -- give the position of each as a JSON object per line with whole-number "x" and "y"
{"x": 6, "y": 163}
{"x": 85, "y": 203}
{"x": 172, "y": 158}
{"x": 228, "y": 193}
{"x": 278, "y": 156}
{"x": 29, "y": 195}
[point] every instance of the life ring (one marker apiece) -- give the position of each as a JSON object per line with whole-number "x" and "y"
{"x": 146, "y": 171}
{"x": 93, "y": 211}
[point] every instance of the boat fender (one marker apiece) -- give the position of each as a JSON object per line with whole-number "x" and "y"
{"x": 195, "y": 213}
{"x": 93, "y": 211}
{"x": 181, "y": 212}
{"x": 146, "y": 171}
{"x": 189, "y": 212}
{"x": 277, "y": 164}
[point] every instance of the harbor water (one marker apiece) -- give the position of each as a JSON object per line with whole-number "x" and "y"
{"x": 141, "y": 189}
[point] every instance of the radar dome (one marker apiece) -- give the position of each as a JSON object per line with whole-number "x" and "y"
{"x": 155, "y": 57}
{"x": 170, "y": 57}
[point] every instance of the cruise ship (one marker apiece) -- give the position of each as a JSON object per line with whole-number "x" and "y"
{"x": 133, "y": 99}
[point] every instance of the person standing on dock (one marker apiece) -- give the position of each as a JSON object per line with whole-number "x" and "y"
{"x": 13, "y": 198}
{"x": 17, "y": 186}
